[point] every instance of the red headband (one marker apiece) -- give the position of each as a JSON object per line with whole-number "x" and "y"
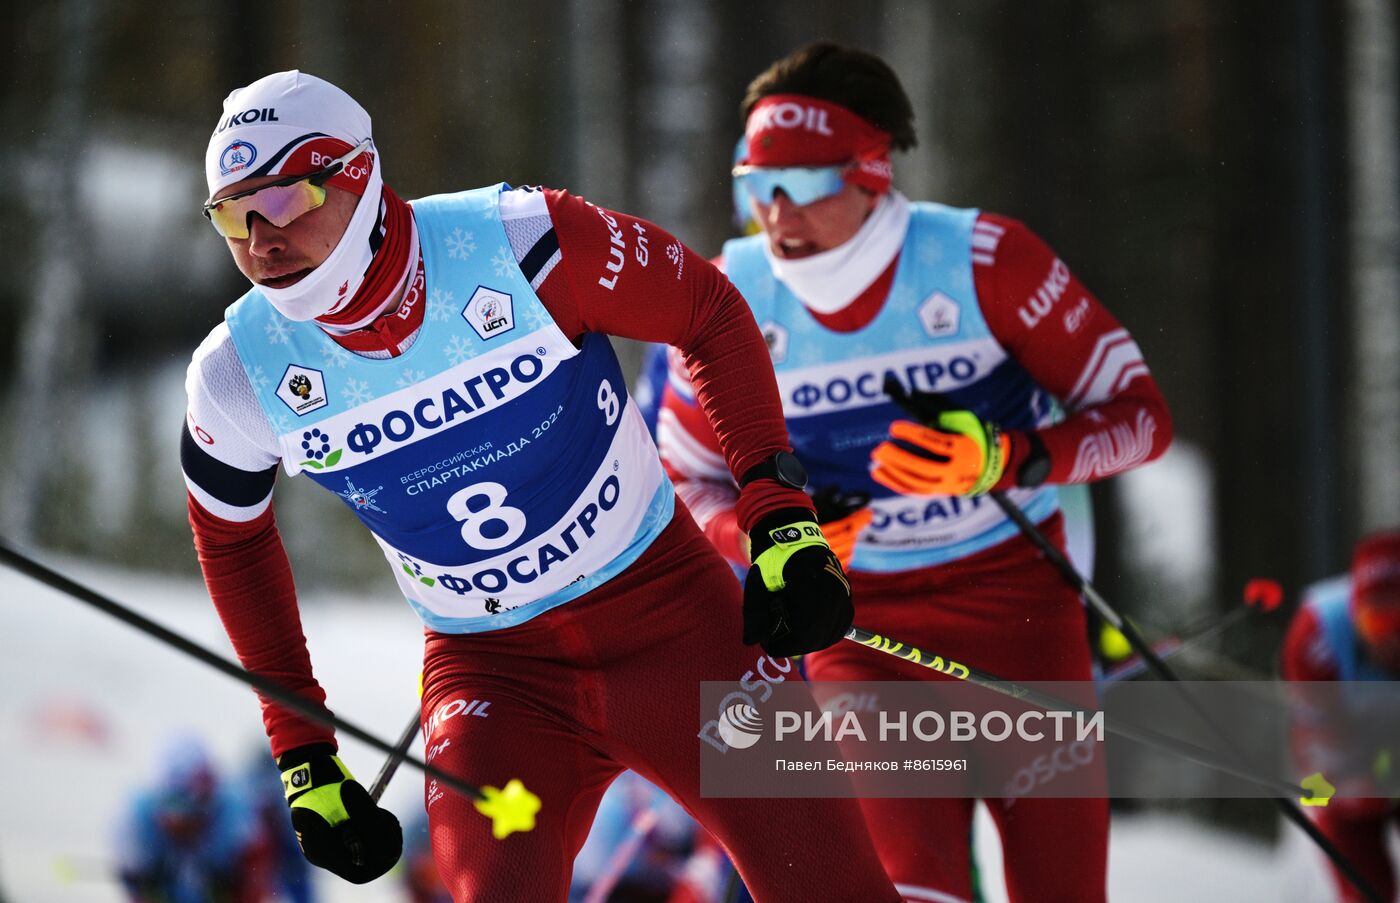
{"x": 317, "y": 153}
{"x": 1375, "y": 571}
{"x": 796, "y": 130}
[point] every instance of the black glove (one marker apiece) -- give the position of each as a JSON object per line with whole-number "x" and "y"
{"x": 843, "y": 516}
{"x": 834, "y": 503}
{"x": 796, "y": 596}
{"x": 339, "y": 827}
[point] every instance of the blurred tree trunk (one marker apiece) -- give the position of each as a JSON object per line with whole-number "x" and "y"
{"x": 1263, "y": 259}
{"x": 909, "y": 33}
{"x": 676, "y": 105}
{"x": 677, "y": 171}
{"x": 55, "y": 344}
{"x": 1373, "y": 385}
{"x": 1319, "y": 329}
{"x": 321, "y": 46}
{"x": 598, "y": 108}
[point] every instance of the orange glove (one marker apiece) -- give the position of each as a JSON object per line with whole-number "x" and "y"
{"x": 841, "y": 534}
{"x": 959, "y": 455}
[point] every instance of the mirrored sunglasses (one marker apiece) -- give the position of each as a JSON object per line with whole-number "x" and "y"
{"x": 801, "y": 184}
{"x": 278, "y": 202}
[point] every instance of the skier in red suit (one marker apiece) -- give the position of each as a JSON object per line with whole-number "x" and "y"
{"x": 1348, "y": 629}
{"x": 442, "y": 367}
{"x": 853, "y": 286}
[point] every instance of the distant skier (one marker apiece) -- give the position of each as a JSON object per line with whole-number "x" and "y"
{"x": 282, "y": 871}
{"x": 1348, "y": 629}
{"x": 189, "y": 838}
{"x": 637, "y": 848}
{"x": 420, "y": 876}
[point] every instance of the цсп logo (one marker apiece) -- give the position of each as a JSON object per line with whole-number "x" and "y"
{"x": 490, "y": 312}
{"x": 489, "y": 309}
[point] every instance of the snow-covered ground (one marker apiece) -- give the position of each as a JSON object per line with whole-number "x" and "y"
{"x": 86, "y": 703}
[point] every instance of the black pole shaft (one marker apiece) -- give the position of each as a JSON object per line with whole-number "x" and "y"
{"x": 1135, "y": 666}
{"x": 1135, "y": 639}
{"x": 1224, "y": 623}
{"x": 272, "y": 690}
{"x": 391, "y": 764}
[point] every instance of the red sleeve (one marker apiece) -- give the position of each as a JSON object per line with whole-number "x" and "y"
{"x": 691, "y": 455}
{"x": 625, "y": 276}
{"x": 250, "y": 581}
{"x": 1072, "y": 347}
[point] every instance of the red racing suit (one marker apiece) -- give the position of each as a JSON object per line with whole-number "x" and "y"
{"x": 1321, "y": 645}
{"x": 604, "y": 682}
{"x": 1001, "y": 609}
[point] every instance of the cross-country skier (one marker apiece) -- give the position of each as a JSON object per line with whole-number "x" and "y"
{"x": 282, "y": 870}
{"x": 443, "y": 367}
{"x": 851, "y": 285}
{"x": 1348, "y": 629}
{"x": 189, "y": 838}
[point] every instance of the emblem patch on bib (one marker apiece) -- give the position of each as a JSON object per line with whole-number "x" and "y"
{"x": 489, "y": 312}
{"x": 302, "y": 389}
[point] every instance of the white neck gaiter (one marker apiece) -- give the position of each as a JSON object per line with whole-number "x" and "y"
{"x": 829, "y": 281}
{"x": 394, "y": 297}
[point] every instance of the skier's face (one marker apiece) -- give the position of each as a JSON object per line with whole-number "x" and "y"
{"x": 279, "y": 257}
{"x": 801, "y": 230}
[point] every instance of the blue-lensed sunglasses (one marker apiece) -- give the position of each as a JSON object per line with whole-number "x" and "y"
{"x": 801, "y": 184}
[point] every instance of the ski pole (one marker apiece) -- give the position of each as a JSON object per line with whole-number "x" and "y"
{"x": 626, "y": 851}
{"x": 1050, "y": 702}
{"x": 1213, "y": 664}
{"x": 396, "y": 755}
{"x": 925, "y": 407}
{"x": 510, "y": 809}
{"x": 1168, "y": 647}
{"x": 1260, "y": 595}
{"x": 391, "y": 764}
{"x": 1077, "y": 581}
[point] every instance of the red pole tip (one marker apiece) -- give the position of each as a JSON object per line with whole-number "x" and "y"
{"x": 1263, "y": 593}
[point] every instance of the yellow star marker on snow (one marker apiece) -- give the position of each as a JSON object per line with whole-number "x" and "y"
{"x": 510, "y": 810}
{"x": 1317, "y": 785}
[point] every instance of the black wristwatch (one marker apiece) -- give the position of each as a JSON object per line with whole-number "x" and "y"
{"x": 783, "y": 467}
{"x": 1036, "y": 467}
